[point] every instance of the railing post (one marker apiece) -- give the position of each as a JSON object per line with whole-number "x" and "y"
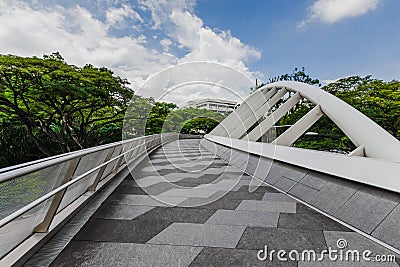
{"x": 119, "y": 162}
{"x": 93, "y": 186}
{"x": 43, "y": 227}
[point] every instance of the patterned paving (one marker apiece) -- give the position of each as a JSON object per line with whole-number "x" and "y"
{"x": 185, "y": 207}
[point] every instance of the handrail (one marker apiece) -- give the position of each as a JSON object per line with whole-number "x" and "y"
{"x": 15, "y": 173}
{"x": 43, "y": 198}
{"x": 18, "y": 166}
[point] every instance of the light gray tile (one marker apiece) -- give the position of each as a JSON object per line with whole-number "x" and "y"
{"x": 245, "y": 218}
{"x": 191, "y": 234}
{"x": 389, "y": 230}
{"x": 255, "y": 205}
{"x": 365, "y": 211}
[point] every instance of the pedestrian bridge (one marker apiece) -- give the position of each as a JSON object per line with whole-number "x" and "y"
{"x": 219, "y": 200}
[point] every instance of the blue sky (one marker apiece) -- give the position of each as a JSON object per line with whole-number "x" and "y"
{"x": 366, "y": 44}
{"x": 261, "y": 38}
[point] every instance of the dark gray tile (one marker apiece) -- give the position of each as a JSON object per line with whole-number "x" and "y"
{"x": 365, "y": 211}
{"x": 129, "y": 189}
{"x": 243, "y": 195}
{"x": 83, "y": 253}
{"x": 381, "y": 193}
{"x": 302, "y": 192}
{"x": 389, "y": 229}
{"x": 220, "y": 257}
{"x": 222, "y": 203}
{"x": 301, "y": 208}
{"x": 315, "y": 180}
{"x": 284, "y": 184}
{"x": 310, "y": 222}
{"x": 261, "y": 189}
{"x": 331, "y": 197}
{"x": 175, "y": 214}
{"x": 278, "y": 238}
{"x": 122, "y": 231}
{"x": 121, "y": 212}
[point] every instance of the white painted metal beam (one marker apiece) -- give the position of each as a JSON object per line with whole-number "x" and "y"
{"x": 269, "y": 121}
{"x": 253, "y": 117}
{"x": 299, "y": 128}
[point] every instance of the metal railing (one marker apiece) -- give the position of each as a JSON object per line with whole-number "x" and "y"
{"x": 32, "y": 194}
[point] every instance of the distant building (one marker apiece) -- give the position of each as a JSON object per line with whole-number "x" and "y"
{"x": 217, "y": 105}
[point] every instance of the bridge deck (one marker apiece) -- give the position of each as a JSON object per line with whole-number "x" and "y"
{"x": 218, "y": 225}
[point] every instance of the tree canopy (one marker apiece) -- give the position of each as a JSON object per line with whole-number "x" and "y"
{"x": 61, "y": 107}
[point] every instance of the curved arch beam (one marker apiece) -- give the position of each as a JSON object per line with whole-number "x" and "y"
{"x": 361, "y": 130}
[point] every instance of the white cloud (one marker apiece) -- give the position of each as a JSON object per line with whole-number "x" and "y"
{"x": 331, "y": 11}
{"x": 83, "y": 38}
{"x": 116, "y": 16}
{"x": 79, "y": 37}
{"x": 166, "y": 43}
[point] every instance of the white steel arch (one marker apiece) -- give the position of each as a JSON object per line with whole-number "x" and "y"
{"x": 370, "y": 139}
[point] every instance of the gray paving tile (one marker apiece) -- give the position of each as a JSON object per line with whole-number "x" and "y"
{"x": 82, "y": 253}
{"x": 389, "y": 229}
{"x": 122, "y": 231}
{"x": 144, "y": 200}
{"x": 301, "y": 208}
{"x": 199, "y": 235}
{"x": 254, "y": 205}
{"x": 355, "y": 241}
{"x": 277, "y": 197}
{"x": 278, "y": 238}
{"x": 220, "y": 257}
{"x": 132, "y": 189}
{"x": 303, "y": 192}
{"x": 331, "y": 197}
{"x": 245, "y": 218}
{"x": 261, "y": 189}
{"x": 365, "y": 211}
{"x": 327, "y": 262}
{"x": 121, "y": 212}
{"x": 284, "y": 184}
{"x": 243, "y": 195}
{"x": 177, "y": 214}
{"x": 309, "y": 221}
{"x": 214, "y": 204}
{"x": 315, "y": 180}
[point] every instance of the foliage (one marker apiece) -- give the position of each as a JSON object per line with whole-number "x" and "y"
{"x": 71, "y": 107}
{"x": 157, "y": 117}
{"x": 199, "y": 126}
{"x": 378, "y": 100}
{"x": 180, "y": 120}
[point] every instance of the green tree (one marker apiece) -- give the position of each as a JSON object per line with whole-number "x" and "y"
{"x": 199, "y": 126}
{"x": 71, "y": 107}
{"x": 177, "y": 119}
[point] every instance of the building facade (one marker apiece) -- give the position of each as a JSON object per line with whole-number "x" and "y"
{"x": 217, "y": 105}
